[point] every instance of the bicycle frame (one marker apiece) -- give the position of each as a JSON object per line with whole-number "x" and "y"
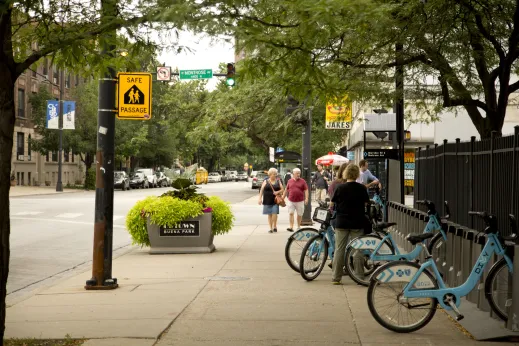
{"x": 381, "y": 251}
{"x": 329, "y": 234}
{"x": 493, "y": 245}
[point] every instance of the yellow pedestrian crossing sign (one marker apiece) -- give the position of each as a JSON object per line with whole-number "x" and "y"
{"x": 134, "y": 96}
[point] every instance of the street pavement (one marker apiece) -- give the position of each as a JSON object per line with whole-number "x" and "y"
{"x": 52, "y": 234}
{"x": 242, "y": 294}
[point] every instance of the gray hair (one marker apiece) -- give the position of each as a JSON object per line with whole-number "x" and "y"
{"x": 272, "y": 171}
{"x": 296, "y": 170}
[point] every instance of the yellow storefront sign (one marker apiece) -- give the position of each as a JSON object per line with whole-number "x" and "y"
{"x": 338, "y": 115}
{"x": 134, "y": 96}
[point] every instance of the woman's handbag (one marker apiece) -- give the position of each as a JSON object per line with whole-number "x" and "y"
{"x": 277, "y": 198}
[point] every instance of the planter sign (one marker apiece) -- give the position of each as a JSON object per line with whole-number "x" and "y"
{"x": 183, "y": 229}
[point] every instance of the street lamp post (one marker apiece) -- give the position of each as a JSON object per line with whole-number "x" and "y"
{"x": 59, "y": 185}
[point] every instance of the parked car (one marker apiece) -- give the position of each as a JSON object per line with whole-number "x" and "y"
{"x": 258, "y": 180}
{"x": 214, "y": 177}
{"x": 121, "y": 180}
{"x": 150, "y": 173}
{"x": 242, "y": 176}
{"x": 162, "y": 179}
{"x": 139, "y": 180}
{"x": 232, "y": 175}
{"x": 223, "y": 176}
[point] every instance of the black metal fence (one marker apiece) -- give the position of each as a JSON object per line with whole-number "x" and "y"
{"x": 476, "y": 175}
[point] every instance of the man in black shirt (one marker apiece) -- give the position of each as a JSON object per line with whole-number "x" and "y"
{"x": 350, "y": 200}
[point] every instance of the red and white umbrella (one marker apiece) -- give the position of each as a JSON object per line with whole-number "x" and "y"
{"x": 331, "y": 160}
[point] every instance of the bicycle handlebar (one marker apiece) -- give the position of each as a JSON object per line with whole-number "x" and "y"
{"x": 513, "y": 223}
{"x": 489, "y": 219}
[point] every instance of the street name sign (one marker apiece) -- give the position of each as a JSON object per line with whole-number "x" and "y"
{"x": 196, "y": 74}
{"x": 134, "y": 96}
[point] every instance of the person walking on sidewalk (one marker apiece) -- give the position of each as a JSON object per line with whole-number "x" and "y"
{"x": 320, "y": 181}
{"x": 271, "y": 187}
{"x": 297, "y": 191}
{"x": 350, "y": 200}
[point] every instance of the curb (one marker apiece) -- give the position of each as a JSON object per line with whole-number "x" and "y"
{"x": 48, "y": 193}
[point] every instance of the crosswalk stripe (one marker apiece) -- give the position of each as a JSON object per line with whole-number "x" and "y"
{"x": 69, "y": 215}
{"x": 28, "y": 213}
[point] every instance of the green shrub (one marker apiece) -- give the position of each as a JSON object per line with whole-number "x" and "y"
{"x": 222, "y": 216}
{"x": 136, "y": 222}
{"x": 90, "y": 179}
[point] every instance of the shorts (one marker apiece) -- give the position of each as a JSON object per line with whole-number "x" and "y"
{"x": 296, "y": 206}
{"x": 270, "y": 209}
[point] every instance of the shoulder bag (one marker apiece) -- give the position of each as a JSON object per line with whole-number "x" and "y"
{"x": 277, "y": 198}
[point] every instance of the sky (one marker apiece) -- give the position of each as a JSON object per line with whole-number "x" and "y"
{"x": 205, "y": 54}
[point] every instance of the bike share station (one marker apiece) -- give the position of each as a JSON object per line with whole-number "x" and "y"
{"x": 383, "y": 163}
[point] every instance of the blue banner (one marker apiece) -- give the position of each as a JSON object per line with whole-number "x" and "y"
{"x": 52, "y": 115}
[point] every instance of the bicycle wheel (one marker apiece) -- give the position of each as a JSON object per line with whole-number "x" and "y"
{"x": 313, "y": 257}
{"x": 295, "y": 245}
{"x": 366, "y": 265}
{"x": 438, "y": 249}
{"x": 387, "y": 304}
{"x": 496, "y": 288}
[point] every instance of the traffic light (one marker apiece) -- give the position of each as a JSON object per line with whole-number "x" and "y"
{"x": 230, "y": 81}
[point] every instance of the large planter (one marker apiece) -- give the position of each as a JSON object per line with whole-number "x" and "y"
{"x": 190, "y": 236}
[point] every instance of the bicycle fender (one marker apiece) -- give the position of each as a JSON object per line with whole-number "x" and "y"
{"x": 371, "y": 243}
{"x": 304, "y": 235}
{"x": 404, "y": 272}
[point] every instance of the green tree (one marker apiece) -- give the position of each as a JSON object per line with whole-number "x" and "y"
{"x": 456, "y": 53}
{"x": 71, "y": 34}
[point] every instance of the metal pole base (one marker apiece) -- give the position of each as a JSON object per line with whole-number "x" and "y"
{"x": 308, "y": 222}
{"x": 59, "y": 187}
{"x": 91, "y": 285}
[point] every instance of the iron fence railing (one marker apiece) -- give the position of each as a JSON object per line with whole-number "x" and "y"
{"x": 471, "y": 176}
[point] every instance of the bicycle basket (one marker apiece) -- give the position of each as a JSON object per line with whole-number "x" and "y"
{"x": 322, "y": 215}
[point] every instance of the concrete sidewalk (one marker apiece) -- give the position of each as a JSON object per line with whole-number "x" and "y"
{"x": 242, "y": 294}
{"x": 18, "y": 191}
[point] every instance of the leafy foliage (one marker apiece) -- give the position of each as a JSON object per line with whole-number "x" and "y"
{"x": 222, "y": 216}
{"x": 90, "y": 179}
{"x": 186, "y": 191}
{"x": 136, "y": 222}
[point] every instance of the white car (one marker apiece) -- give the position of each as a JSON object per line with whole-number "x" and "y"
{"x": 214, "y": 177}
{"x": 232, "y": 175}
{"x": 150, "y": 173}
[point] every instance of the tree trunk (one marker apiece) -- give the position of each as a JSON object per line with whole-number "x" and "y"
{"x": 7, "y": 119}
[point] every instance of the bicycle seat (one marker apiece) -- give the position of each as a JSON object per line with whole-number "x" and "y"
{"x": 417, "y": 238}
{"x": 384, "y": 225}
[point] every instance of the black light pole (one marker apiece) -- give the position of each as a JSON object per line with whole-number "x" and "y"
{"x": 59, "y": 185}
{"x": 105, "y": 161}
{"x": 399, "y": 110}
{"x": 307, "y": 165}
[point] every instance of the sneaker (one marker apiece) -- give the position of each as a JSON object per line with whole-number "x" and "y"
{"x": 275, "y": 230}
{"x": 270, "y": 231}
{"x": 290, "y": 229}
{"x": 336, "y": 283}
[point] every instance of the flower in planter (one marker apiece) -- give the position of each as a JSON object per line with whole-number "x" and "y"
{"x": 208, "y": 210}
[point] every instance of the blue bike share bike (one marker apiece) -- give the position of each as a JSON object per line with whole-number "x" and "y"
{"x": 381, "y": 248}
{"x": 403, "y": 296}
{"x": 322, "y": 246}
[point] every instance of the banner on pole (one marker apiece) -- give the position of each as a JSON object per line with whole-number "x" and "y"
{"x": 338, "y": 114}
{"x": 52, "y": 115}
{"x": 69, "y": 115}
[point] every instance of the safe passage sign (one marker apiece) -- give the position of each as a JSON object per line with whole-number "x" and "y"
{"x": 134, "y": 96}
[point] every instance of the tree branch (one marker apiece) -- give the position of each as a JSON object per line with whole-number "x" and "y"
{"x": 56, "y": 44}
{"x": 418, "y": 58}
{"x": 513, "y": 87}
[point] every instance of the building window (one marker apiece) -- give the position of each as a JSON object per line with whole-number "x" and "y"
{"x": 47, "y": 157}
{"x": 54, "y": 156}
{"x": 72, "y": 154}
{"x": 55, "y": 77}
{"x": 67, "y": 81}
{"x": 35, "y": 71}
{"x": 29, "y": 179}
{"x": 45, "y": 68}
{"x": 29, "y": 148}
{"x": 21, "y": 103}
{"x": 65, "y": 156}
{"x": 20, "y": 145}
{"x": 76, "y": 80}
